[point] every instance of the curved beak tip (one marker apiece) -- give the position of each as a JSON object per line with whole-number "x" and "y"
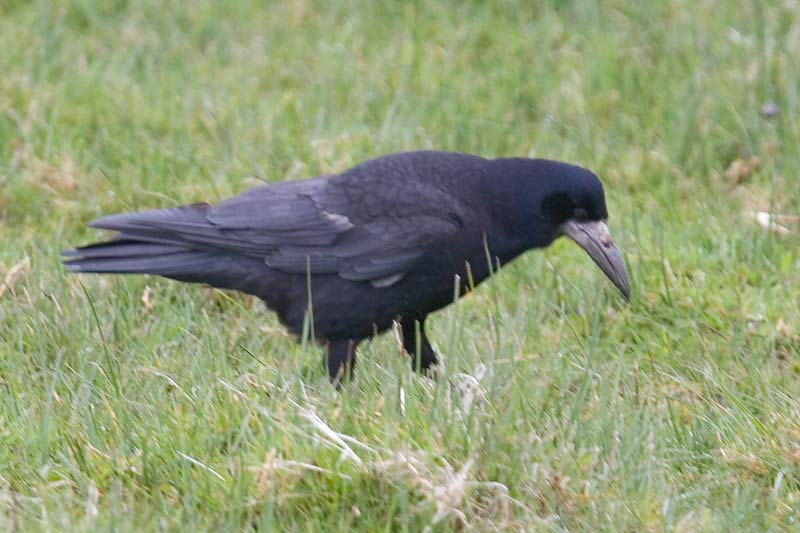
{"x": 625, "y": 290}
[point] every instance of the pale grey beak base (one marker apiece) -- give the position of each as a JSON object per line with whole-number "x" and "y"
{"x": 596, "y": 240}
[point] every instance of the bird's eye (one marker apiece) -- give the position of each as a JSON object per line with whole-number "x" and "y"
{"x": 580, "y": 215}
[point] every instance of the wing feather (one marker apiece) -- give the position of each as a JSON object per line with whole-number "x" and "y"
{"x": 362, "y": 227}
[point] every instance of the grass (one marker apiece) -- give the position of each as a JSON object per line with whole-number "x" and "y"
{"x": 140, "y": 403}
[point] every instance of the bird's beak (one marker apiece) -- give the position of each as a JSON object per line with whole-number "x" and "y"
{"x": 595, "y": 238}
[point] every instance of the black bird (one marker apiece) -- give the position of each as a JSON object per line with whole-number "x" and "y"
{"x": 380, "y": 242}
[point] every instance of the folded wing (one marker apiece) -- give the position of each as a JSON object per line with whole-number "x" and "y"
{"x": 346, "y": 224}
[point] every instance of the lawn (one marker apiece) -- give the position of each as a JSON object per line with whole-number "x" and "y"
{"x": 130, "y": 403}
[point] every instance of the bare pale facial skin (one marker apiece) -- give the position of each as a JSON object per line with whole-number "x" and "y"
{"x": 595, "y": 238}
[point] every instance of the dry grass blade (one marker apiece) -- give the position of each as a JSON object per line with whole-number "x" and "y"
{"x": 772, "y": 222}
{"x": 13, "y": 275}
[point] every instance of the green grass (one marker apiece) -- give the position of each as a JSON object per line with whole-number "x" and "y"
{"x": 130, "y": 403}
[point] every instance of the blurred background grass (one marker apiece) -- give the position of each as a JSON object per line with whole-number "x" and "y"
{"x": 137, "y": 402}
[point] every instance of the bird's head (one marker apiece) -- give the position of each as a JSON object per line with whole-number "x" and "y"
{"x": 562, "y": 199}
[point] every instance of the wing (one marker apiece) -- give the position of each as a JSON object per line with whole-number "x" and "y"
{"x": 361, "y": 227}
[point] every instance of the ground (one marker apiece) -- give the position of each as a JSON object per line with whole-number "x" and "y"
{"x": 137, "y": 402}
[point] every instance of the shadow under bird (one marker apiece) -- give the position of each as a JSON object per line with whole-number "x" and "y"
{"x": 378, "y": 243}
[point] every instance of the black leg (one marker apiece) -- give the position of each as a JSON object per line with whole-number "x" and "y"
{"x": 423, "y": 358}
{"x": 341, "y": 360}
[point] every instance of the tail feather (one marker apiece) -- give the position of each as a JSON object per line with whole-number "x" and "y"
{"x": 181, "y": 244}
{"x": 141, "y": 247}
{"x": 126, "y": 256}
{"x": 118, "y": 248}
{"x": 136, "y": 257}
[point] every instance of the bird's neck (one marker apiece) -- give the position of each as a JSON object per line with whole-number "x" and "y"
{"x": 505, "y": 192}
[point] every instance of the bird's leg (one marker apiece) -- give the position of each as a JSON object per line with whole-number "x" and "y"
{"x": 341, "y": 360}
{"x": 416, "y": 344}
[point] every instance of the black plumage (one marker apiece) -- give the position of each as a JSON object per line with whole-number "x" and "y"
{"x": 380, "y": 242}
